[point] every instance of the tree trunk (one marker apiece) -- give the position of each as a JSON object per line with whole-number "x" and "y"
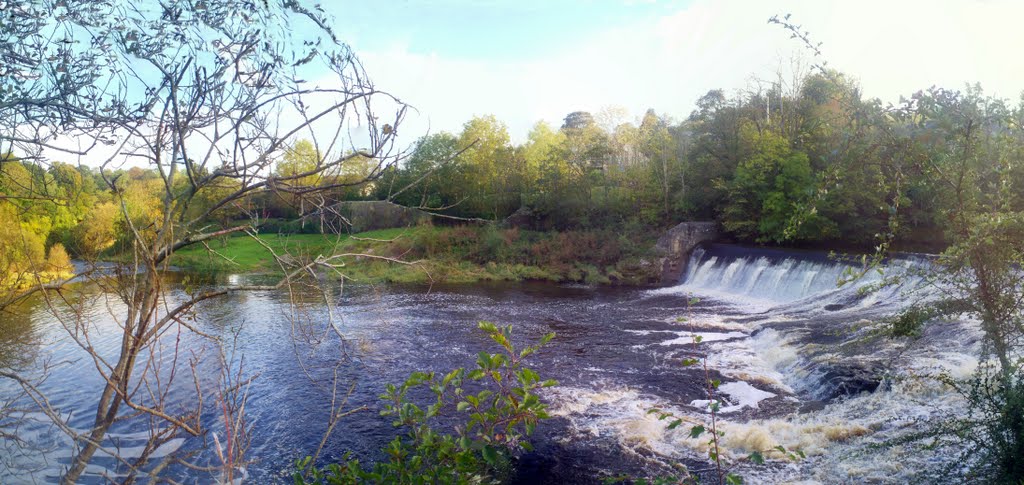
{"x": 111, "y": 398}
{"x": 664, "y": 179}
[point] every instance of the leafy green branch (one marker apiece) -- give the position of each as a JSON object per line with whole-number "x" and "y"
{"x": 493, "y": 423}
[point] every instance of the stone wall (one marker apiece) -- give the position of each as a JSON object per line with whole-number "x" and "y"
{"x": 674, "y": 247}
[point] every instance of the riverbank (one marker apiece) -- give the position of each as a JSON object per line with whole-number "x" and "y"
{"x": 428, "y": 254}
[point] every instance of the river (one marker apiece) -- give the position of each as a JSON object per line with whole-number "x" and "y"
{"x": 801, "y": 362}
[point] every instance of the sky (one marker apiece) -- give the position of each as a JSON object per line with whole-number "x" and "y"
{"x": 525, "y": 61}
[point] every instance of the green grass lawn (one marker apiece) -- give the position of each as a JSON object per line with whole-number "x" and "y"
{"x": 244, "y": 254}
{"x": 436, "y": 254}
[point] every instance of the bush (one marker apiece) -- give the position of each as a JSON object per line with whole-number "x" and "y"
{"x": 97, "y": 232}
{"x": 57, "y": 259}
{"x": 493, "y": 423}
{"x": 910, "y": 322}
{"x": 990, "y": 439}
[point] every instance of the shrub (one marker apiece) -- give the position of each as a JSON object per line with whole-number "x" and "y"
{"x": 988, "y": 442}
{"x": 493, "y": 423}
{"x": 57, "y": 259}
{"x": 910, "y": 322}
{"x": 98, "y": 230}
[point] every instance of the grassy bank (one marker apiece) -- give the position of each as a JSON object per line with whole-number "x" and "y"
{"x": 440, "y": 255}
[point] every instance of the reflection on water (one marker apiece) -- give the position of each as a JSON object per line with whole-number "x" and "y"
{"x": 617, "y": 353}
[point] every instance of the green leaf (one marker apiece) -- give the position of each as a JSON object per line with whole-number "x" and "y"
{"x": 483, "y": 360}
{"x": 451, "y": 375}
{"x": 675, "y": 424}
{"x": 490, "y": 455}
{"x": 487, "y": 327}
{"x": 757, "y": 457}
{"x": 501, "y": 340}
{"x": 462, "y": 406}
{"x": 733, "y": 479}
{"x": 696, "y": 431}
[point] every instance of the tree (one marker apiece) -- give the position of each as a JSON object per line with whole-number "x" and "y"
{"x": 716, "y": 151}
{"x": 766, "y": 190}
{"x": 203, "y": 94}
{"x": 97, "y": 231}
{"x": 299, "y": 164}
{"x": 578, "y": 120}
{"x": 490, "y": 166}
{"x": 658, "y": 147}
{"x": 433, "y": 177}
{"x": 550, "y": 184}
{"x": 541, "y": 149}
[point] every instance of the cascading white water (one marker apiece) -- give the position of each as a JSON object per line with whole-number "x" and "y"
{"x": 810, "y": 340}
{"x": 771, "y": 278}
{"x": 762, "y": 277}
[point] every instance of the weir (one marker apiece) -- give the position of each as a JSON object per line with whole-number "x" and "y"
{"x": 775, "y": 277}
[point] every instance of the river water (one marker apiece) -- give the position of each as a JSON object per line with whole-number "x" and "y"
{"x": 801, "y": 362}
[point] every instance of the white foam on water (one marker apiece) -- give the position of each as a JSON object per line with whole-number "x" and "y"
{"x": 745, "y": 303}
{"x": 711, "y": 321}
{"x": 130, "y": 452}
{"x": 850, "y": 440}
{"x": 842, "y": 441}
{"x": 739, "y": 395}
{"x": 691, "y": 337}
{"x": 618, "y": 413}
{"x": 622, "y": 413}
{"x": 754, "y": 281}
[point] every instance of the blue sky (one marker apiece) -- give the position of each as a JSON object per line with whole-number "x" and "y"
{"x": 528, "y": 61}
{"x": 485, "y": 29}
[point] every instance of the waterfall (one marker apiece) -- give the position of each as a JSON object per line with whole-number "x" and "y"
{"x": 773, "y": 277}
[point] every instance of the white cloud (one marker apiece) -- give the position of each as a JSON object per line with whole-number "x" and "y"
{"x": 894, "y": 48}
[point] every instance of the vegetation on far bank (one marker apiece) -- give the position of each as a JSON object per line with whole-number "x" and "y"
{"x": 429, "y": 254}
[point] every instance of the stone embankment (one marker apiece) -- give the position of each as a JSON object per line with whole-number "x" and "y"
{"x": 675, "y": 246}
